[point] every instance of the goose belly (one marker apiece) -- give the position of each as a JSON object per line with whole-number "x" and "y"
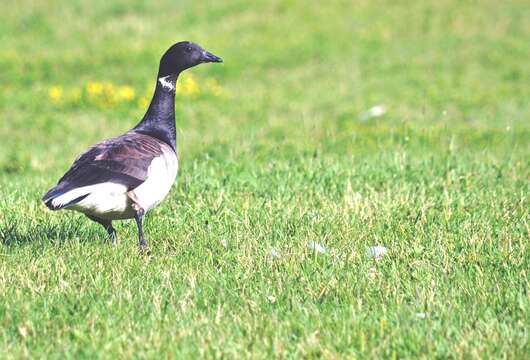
{"x": 160, "y": 178}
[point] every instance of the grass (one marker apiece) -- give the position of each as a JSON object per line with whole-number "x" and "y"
{"x": 276, "y": 159}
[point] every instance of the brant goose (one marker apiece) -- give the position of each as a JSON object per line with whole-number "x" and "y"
{"x": 125, "y": 177}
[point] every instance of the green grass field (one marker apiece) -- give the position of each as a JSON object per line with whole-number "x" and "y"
{"x": 277, "y": 152}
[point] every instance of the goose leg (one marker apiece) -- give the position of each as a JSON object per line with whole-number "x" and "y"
{"x": 113, "y": 235}
{"x": 107, "y": 224}
{"x": 139, "y": 215}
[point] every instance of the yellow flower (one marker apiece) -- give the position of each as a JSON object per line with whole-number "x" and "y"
{"x": 108, "y": 94}
{"x": 94, "y": 88}
{"x": 143, "y": 102}
{"x": 55, "y": 93}
{"x": 189, "y": 86}
{"x": 108, "y": 88}
{"x": 125, "y": 93}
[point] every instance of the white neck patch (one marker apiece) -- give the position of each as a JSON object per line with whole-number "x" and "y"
{"x": 165, "y": 83}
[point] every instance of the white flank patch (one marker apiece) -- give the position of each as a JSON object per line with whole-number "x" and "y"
{"x": 160, "y": 177}
{"x": 165, "y": 83}
{"x": 102, "y": 198}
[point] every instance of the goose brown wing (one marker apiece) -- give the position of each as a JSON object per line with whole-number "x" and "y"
{"x": 124, "y": 160}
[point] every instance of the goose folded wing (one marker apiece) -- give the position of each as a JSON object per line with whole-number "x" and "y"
{"x": 124, "y": 160}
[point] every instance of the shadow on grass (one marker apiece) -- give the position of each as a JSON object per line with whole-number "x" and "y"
{"x": 14, "y": 233}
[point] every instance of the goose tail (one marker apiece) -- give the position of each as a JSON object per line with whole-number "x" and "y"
{"x": 57, "y": 198}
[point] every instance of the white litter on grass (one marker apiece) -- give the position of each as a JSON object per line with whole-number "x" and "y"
{"x": 274, "y": 253}
{"x": 373, "y": 112}
{"x": 271, "y": 298}
{"x": 421, "y": 315}
{"x": 317, "y": 247}
{"x": 376, "y": 252}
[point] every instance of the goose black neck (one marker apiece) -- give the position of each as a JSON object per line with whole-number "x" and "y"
{"x": 159, "y": 120}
